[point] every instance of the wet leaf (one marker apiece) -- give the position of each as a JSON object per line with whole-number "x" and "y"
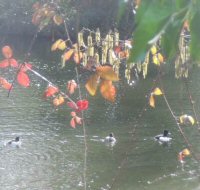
{"x": 23, "y": 79}
{"x": 152, "y": 101}
{"x": 7, "y": 52}
{"x": 107, "y": 73}
{"x": 92, "y": 84}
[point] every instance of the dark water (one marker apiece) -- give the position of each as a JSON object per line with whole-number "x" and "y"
{"x": 52, "y": 153}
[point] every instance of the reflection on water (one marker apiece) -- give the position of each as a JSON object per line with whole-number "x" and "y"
{"x": 51, "y": 155}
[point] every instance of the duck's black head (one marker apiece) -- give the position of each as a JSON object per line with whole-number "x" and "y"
{"x": 165, "y": 133}
{"x": 111, "y": 135}
{"x": 17, "y": 139}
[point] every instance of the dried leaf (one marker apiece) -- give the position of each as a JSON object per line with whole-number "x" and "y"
{"x": 157, "y": 92}
{"x": 7, "y": 52}
{"x": 152, "y": 101}
{"x": 62, "y": 45}
{"x": 160, "y": 58}
{"x": 23, "y": 79}
{"x": 107, "y": 73}
{"x": 92, "y": 84}
{"x": 186, "y": 119}
{"x": 71, "y": 86}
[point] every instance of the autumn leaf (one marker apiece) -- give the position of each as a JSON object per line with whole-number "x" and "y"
{"x": 77, "y": 57}
{"x": 58, "y": 101}
{"x": 92, "y": 84}
{"x": 73, "y": 122}
{"x": 8, "y": 62}
{"x": 67, "y": 55}
{"x": 7, "y": 52}
{"x": 71, "y": 86}
{"x": 107, "y": 90}
{"x": 4, "y": 63}
{"x": 186, "y": 119}
{"x": 82, "y": 105}
{"x": 55, "y": 44}
{"x": 62, "y": 45}
{"x": 25, "y": 67}
{"x": 50, "y": 91}
{"x": 157, "y": 92}
{"x": 152, "y": 101}
{"x": 23, "y": 79}
{"x": 107, "y": 73}
{"x": 5, "y": 84}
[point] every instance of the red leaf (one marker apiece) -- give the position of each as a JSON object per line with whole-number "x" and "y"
{"x": 12, "y": 62}
{"x": 23, "y": 79}
{"x": 25, "y": 67}
{"x": 50, "y": 91}
{"x": 72, "y": 105}
{"x": 73, "y": 122}
{"x": 82, "y": 105}
{"x": 4, "y": 63}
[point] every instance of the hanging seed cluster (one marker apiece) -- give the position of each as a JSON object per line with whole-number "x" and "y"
{"x": 100, "y": 51}
{"x": 183, "y": 58}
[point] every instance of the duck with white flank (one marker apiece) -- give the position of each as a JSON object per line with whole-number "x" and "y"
{"x": 14, "y": 143}
{"x": 110, "y": 139}
{"x": 163, "y": 138}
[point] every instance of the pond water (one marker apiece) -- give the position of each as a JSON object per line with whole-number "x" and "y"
{"x": 51, "y": 156}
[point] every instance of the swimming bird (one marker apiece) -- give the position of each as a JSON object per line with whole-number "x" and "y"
{"x": 14, "y": 143}
{"x": 163, "y": 138}
{"x": 110, "y": 138}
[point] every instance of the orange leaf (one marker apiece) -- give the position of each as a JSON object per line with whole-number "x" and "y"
{"x": 92, "y": 84}
{"x": 73, "y": 122}
{"x": 55, "y": 44}
{"x": 58, "y": 101}
{"x": 152, "y": 101}
{"x": 67, "y": 55}
{"x": 4, "y": 63}
{"x": 107, "y": 90}
{"x": 50, "y": 91}
{"x": 7, "y": 52}
{"x": 77, "y": 57}
{"x": 107, "y": 73}
{"x": 5, "y": 84}
{"x": 71, "y": 86}
{"x": 23, "y": 79}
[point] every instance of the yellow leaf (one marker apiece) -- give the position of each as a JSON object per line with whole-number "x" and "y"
{"x": 107, "y": 73}
{"x": 152, "y": 101}
{"x": 156, "y": 60}
{"x": 92, "y": 84}
{"x": 55, "y": 44}
{"x": 58, "y": 20}
{"x": 186, "y": 119}
{"x": 77, "y": 57}
{"x": 153, "y": 50}
{"x": 185, "y": 152}
{"x": 157, "y": 92}
{"x": 62, "y": 45}
{"x": 67, "y": 55}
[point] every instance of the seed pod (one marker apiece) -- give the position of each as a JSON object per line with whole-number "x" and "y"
{"x": 90, "y": 50}
{"x": 116, "y": 38}
{"x": 97, "y": 36}
{"x": 80, "y": 39}
{"x": 110, "y": 56}
{"x": 89, "y": 40}
{"x": 104, "y": 52}
{"x": 84, "y": 62}
{"x": 96, "y": 56}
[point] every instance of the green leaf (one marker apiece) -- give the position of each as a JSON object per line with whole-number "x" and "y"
{"x": 152, "y": 18}
{"x": 195, "y": 36}
{"x": 170, "y": 39}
